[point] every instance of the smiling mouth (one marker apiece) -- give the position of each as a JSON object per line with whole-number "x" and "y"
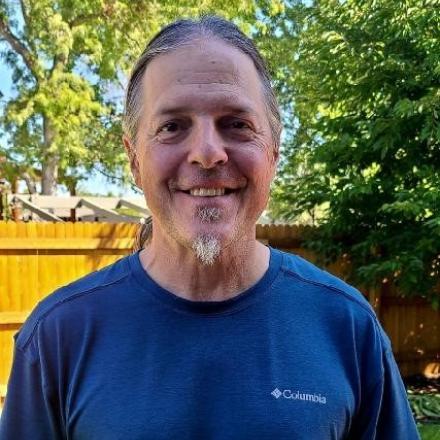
{"x": 209, "y": 192}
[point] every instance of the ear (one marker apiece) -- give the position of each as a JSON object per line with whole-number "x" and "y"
{"x": 275, "y": 159}
{"x": 276, "y": 155}
{"x": 134, "y": 164}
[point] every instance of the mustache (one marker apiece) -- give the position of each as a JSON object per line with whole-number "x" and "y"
{"x": 204, "y": 176}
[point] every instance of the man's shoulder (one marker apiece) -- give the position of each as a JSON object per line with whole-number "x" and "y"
{"x": 314, "y": 288}
{"x": 303, "y": 271}
{"x": 87, "y": 285}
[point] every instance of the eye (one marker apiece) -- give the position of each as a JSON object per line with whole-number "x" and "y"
{"x": 236, "y": 124}
{"x": 171, "y": 131}
{"x": 237, "y": 129}
{"x": 169, "y": 127}
{"x": 240, "y": 125}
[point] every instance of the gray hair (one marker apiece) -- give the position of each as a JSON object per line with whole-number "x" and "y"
{"x": 180, "y": 33}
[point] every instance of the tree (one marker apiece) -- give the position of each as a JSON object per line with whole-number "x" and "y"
{"x": 364, "y": 161}
{"x": 69, "y": 58}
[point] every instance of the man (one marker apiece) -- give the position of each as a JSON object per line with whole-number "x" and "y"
{"x": 205, "y": 333}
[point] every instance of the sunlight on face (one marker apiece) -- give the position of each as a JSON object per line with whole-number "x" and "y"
{"x": 204, "y": 127}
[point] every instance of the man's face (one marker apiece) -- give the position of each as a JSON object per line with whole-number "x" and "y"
{"x": 204, "y": 153}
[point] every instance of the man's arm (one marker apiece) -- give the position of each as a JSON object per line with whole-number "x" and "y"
{"x": 385, "y": 413}
{"x": 28, "y": 412}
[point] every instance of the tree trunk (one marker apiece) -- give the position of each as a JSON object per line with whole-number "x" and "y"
{"x": 49, "y": 168}
{"x": 3, "y": 202}
{"x": 30, "y": 183}
{"x": 72, "y": 189}
{"x": 14, "y": 185}
{"x": 16, "y": 208}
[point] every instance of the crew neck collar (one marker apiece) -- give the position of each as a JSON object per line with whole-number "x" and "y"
{"x": 231, "y": 305}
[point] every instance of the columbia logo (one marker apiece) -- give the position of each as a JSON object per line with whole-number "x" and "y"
{"x": 297, "y": 395}
{"x": 276, "y": 393}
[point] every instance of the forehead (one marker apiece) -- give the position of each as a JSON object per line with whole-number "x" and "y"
{"x": 202, "y": 76}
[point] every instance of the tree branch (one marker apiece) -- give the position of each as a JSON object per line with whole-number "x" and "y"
{"x": 113, "y": 178}
{"x": 81, "y": 19}
{"x": 24, "y": 13}
{"x": 59, "y": 60}
{"x": 26, "y": 19}
{"x": 18, "y": 47}
{"x": 107, "y": 11}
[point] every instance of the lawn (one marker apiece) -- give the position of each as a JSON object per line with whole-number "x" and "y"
{"x": 424, "y": 398}
{"x": 429, "y": 431}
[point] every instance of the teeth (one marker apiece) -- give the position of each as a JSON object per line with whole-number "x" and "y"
{"x": 207, "y": 192}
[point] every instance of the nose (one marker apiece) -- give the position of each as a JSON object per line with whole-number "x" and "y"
{"x": 206, "y": 148}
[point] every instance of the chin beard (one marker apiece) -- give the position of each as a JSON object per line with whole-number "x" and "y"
{"x": 207, "y": 249}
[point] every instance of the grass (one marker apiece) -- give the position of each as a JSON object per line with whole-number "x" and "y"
{"x": 429, "y": 431}
{"x": 426, "y": 409}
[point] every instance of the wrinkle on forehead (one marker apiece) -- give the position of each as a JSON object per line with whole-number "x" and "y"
{"x": 182, "y": 76}
{"x": 204, "y": 62}
{"x": 207, "y": 77}
{"x": 212, "y": 68}
{"x": 211, "y": 62}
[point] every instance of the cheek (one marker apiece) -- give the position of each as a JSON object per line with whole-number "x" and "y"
{"x": 257, "y": 165}
{"x": 158, "y": 165}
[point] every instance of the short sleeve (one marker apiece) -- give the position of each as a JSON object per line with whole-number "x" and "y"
{"x": 385, "y": 413}
{"x": 29, "y": 412}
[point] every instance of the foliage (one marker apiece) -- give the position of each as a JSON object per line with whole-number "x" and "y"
{"x": 69, "y": 60}
{"x": 364, "y": 158}
{"x": 429, "y": 432}
{"x": 425, "y": 406}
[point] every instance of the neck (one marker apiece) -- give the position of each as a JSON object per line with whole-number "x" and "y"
{"x": 177, "y": 268}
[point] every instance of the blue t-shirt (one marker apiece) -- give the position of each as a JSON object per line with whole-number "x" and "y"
{"x": 300, "y": 355}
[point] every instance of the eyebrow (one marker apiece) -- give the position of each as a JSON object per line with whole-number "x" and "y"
{"x": 240, "y": 109}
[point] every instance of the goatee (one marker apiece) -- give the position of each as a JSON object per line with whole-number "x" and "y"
{"x": 207, "y": 249}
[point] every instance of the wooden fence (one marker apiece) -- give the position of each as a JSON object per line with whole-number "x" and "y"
{"x": 36, "y": 258}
